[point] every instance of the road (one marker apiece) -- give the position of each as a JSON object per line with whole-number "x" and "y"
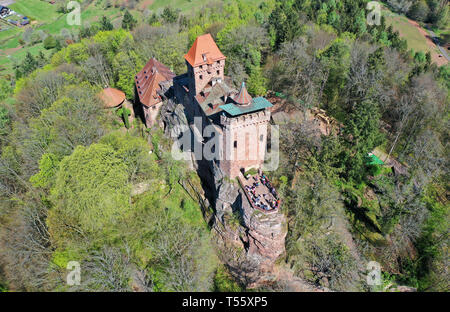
{"x": 436, "y": 41}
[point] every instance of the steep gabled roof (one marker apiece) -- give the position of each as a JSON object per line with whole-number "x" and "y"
{"x": 112, "y": 97}
{"x": 243, "y": 98}
{"x": 204, "y": 51}
{"x": 148, "y": 79}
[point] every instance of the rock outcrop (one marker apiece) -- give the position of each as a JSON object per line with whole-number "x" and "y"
{"x": 249, "y": 241}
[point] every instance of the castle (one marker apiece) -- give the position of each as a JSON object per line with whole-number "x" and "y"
{"x": 204, "y": 100}
{"x": 239, "y": 120}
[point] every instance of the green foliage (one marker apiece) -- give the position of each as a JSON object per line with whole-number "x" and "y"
{"x": 5, "y": 89}
{"x": 256, "y": 82}
{"x": 134, "y": 153}
{"x": 223, "y": 282}
{"x": 48, "y": 166}
{"x": 419, "y": 11}
{"x": 124, "y": 113}
{"x": 125, "y": 65}
{"x": 4, "y": 120}
{"x": 169, "y": 15}
{"x": 105, "y": 24}
{"x": 284, "y": 23}
{"x": 49, "y": 42}
{"x": 28, "y": 65}
{"x": 362, "y": 129}
{"x": 91, "y": 192}
{"x": 128, "y": 21}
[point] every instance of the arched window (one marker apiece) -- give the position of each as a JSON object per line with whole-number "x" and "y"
{"x": 235, "y": 144}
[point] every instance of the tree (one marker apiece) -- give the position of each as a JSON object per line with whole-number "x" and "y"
{"x": 169, "y": 15}
{"x": 28, "y": 65}
{"x": 105, "y": 24}
{"x": 4, "y": 120}
{"x": 284, "y": 23}
{"x": 419, "y": 11}
{"x": 362, "y": 135}
{"x": 91, "y": 193}
{"x": 128, "y": 21}
{"x": 48, "y": 166}
{"x": 49, "y": 42}
{"x": 5, "y": 89}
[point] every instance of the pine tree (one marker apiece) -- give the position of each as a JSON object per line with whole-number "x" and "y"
{"x": 105, "y": 24}
{"x": 27, "y": 66}
{"x": 128, "y": 21}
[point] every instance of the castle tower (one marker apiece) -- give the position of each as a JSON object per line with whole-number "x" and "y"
{"x": 244, "y": 123}
{"x": 205, "y": 64}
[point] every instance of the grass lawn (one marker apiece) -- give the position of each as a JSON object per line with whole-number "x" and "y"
{"x": 36, "y": 10}
{"x": 418, "y": 39}
{"x": 8, "y": 34}
{"x": 415, "y": 39}
{"x": 49, "y": 21}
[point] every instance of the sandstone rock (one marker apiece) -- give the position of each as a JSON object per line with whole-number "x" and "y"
{"x": 259, "y": 237}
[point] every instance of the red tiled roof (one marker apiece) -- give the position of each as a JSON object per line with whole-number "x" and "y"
{"x": 112, "y": 97}
{"x": 243, "y": 97}
{"x": 204, "y": 51}
{"x": 148, "y": 79}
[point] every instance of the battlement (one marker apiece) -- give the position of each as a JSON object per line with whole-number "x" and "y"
{"x": 247, "y": 119}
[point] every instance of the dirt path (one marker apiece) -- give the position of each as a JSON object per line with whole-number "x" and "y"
{"x": 434, "y": 56}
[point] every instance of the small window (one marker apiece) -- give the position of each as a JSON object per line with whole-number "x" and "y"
{"x": 261, "y": 137}
{"x": 201, "y": 76}
{"x": 218, "y": 72}
{"x": 235, "y": 144}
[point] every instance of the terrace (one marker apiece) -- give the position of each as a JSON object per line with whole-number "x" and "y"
{"x": 260, "y": 192}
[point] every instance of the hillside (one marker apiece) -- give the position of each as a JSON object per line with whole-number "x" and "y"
{"x": 93, "y": 119}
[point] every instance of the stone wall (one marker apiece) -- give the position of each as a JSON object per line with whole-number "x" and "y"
{"x": 200, "y": 76}
{"x": 244, "y": 142}
{"x": 151, "y": 113}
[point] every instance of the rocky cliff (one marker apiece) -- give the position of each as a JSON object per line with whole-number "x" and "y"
{"x": 249, "y": 241}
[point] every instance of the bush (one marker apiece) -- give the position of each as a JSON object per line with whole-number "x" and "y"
{"x": 50, "y": 43}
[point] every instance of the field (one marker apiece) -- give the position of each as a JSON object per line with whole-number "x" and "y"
{"x": 45, "y": 17}
{"x": 35, "y": 10}
{"x": 418, "y": 38}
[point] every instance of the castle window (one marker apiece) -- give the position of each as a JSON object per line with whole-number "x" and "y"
{"x": 218, "y": 72}
{"x": 201, "y": 76}
{"x": 261, "y": 137}
{"x": 235, "y": 144}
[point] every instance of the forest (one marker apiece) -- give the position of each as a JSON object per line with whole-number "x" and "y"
{"x": 69, "y": 169}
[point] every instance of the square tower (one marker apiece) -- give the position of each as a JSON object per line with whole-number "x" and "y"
{"x": 244, "y": 124}
{"x": 205, "y": 64}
